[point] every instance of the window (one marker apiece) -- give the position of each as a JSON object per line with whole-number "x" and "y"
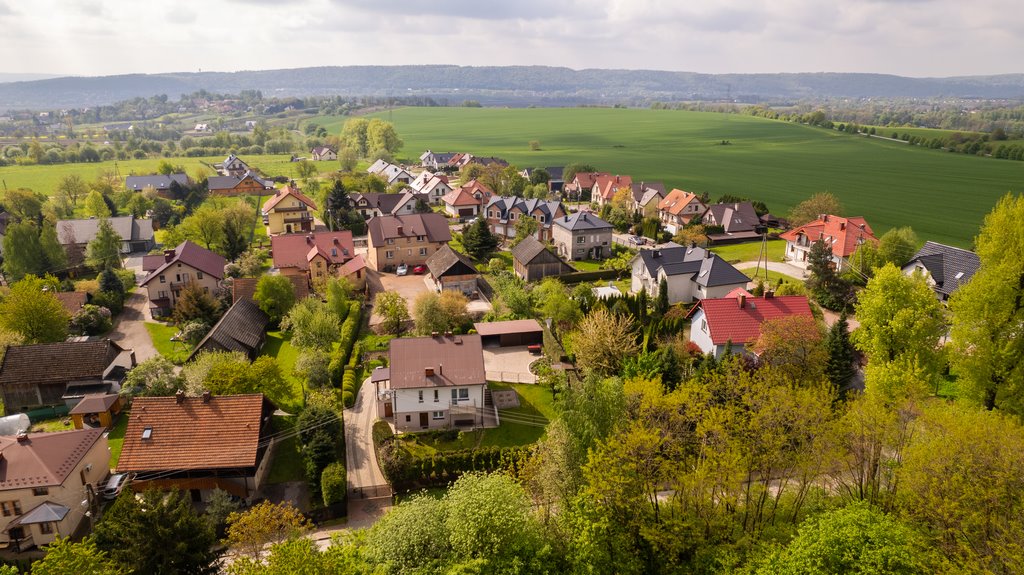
{"x": 39, "y": 491}
{"x": 420, "y": 394}
{"x": 162, "y": 295}
{"x": 46, "y": 528}
{"x": 579, "y": 251}
{"x": 14, "y": 507}
{"x": 435, "y": 396}
{"x": 581, "y": 239}
{"x": 423, "y": 251}
{"x": 147, "y": 433}
{"x": 177, "y": 278}
{"x": 460, "y": 394}
{"x": 391, "y": 241}
{"x": 407, "y": 418}
{"x": 199, "y": 275}
{"x": 163, "y": 280}
{"x": 389, "y": 255}
{"x": 334, "y": 252}
{"x": 420, "y": 238}
{"x": 704, "y": 325}
{"x": 438, "y": 415}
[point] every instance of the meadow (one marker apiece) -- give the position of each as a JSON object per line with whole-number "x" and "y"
{"x": 943, "y": 196}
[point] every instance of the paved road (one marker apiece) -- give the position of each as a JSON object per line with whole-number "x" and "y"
{"x": 130, "y": 330}
{"x": 780, "y": 267}
{"x": 361, "y": 462}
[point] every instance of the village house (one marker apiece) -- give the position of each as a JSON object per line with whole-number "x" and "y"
{"x": 841, "y": 235}
{"x": 243, "y": 328}
{"x": 434, "y": 382}
{"x": 945, "y": 268}
{"x": 160, "y": 183}
{"x": 136, "y": 234}
{"x": 199, "y": 444}
{"x": 408, "y": 239}
{"x": 453, "y": 271}
{"x": 246, "y": 183}
{"x": 435, "y": 160}
{"x": 354, "y": 271}
{"x": 373, "y": 204}
{"x": 582, "y": 186}
{"x": 678, "y": 209}
{"x": 433, "y": 189}
{"x": 467, "y": 200}
{"x": 532, "y": 261}
{"x": 172, "y": 270}
{"x": 607, "y": 186}
{"x": 391, "y": 173}
{"x": 288, "y": 211}
{"x": 232, "y": 166}
{"x": 323, "y": 154}
{"x": 582, "y": 236}
{"x": 503, "y": 212}
{"x": 738, "y": 221}
{"x": 316, "y": 256}
{"x": 735, "y": 322}
{"x": 644, "y": 198}
{"x": 46, "y": 478}
{"x": 555, "y": 177}
{"x": 689, "y": 272}
{"x": 54, "y": 374}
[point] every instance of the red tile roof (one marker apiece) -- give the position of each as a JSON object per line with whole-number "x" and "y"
{"x": 728, "y": 321}
{"x": 222, "y": 433}
{"x": 460, "y": 197}
{"x": 588, "y": 179}
{"x": 609, "y": 185}
{"x": 293, "y": 250}
{"x": 44, "y": 459}
{"x": 675, "y": 201}
{"x": 843, "y": 235}
{"x": 284, "y": 193}
{"x": 190, "y": 254}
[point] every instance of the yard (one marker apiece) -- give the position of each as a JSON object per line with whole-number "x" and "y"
{"x": 279, "y": 347}
{"x": 287, "y": 464}
{"x": 773, "y": 276}
{"x": 748, "y": 252}
{"x": 115, "y": 439}
{"x": 161, "y": 334}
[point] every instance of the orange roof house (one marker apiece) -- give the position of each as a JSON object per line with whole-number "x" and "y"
{"x": 678, "y": 209}
{"x": 841, "y": 235}
{"x": 607, "y": 186}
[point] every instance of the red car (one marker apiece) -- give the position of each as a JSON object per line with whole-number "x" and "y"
{"x": 419, "y": 270}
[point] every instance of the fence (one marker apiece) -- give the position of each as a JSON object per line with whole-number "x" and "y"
{"x": 370, "y": 492}
{"x": 510, "y": 377}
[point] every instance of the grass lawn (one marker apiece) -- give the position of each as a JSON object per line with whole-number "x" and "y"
{"x": 115, "y": 439}
{"x": 525, "y": 424}
{"x": 587, "y": 265}
{"x": 57, "y": 424}
{"x": 161, "y": 334}
{"x": 287, "y": 464}
{"x": 891, "y": 184}
{"x": 279, "y": 347}
{"x": 623, "y": 284}
{"x": 773, "y": 276}
{"x": 747, "y": 252}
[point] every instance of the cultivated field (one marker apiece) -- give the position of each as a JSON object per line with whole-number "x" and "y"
{"x": 943, "y": 196}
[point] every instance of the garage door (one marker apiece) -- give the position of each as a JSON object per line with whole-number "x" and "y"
{"x": 465, "y": 212}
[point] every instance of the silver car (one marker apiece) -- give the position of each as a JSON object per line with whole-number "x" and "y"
{"x": 402, "y": 270}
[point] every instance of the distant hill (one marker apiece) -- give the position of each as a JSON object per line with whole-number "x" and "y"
{"x": 508, "y": 85}
{"x": 11, "y": 77}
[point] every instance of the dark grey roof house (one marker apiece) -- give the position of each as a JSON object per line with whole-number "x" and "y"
{"x": 160, "y": 182}
{"x": 136, "y": 234}
{"x": 947, "y": 268}
{"x": 242, "y": 328}
{"x": 691, "y": 273}
{"x": 735, "y": 217}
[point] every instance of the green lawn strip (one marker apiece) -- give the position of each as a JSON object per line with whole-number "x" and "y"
{"x": 51, "y": 425}
{"x": 773, "y": 276}
{"x": 748, "y": 252}
{"x": 587, "y": 265}
{"x": 115, "y": 439}
{"x": 161, "y": 334}
{"x": 535, "y": 402}
{"x": 623, "y": 285}
{"x": 278, "y": 346}
{"x": 287, "y": 464}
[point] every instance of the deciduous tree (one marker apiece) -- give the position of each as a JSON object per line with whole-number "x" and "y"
{"x": 263, "y": 524}
{"x": 96, "y": 206}
{"x": 602, "y": 340}
{"x": 814, "y": 206}
{"x": 793, "y": 344}
{"x": 275, "y": 295}
{"x": 195, "y": 304}
{"x": 391, "y": 306}
{"x": 82, "y": 558}
{"x": 34, "y": 312}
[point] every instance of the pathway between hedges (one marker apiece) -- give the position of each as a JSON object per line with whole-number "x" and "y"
{"x": 368, "y": 492}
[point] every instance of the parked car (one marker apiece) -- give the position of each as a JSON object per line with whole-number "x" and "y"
{"x": 115, "y": 484}
{"x": 402, "y": 270}
{"x": 419, "y": 270}
{"x": 638, "y": 240}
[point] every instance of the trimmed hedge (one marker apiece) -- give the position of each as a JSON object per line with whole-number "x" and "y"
{"x": 349, "y": 335}
{"x": 579, "y": 277}
{"x": 404, "y": 471}
{"x": 333, "y": 483}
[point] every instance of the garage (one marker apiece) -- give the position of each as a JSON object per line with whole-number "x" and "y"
{"x": 510, "y": 333}
{"x": 467, "y": 212}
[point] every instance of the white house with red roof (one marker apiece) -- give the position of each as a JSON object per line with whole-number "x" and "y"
{"x": 736, "y": 320}
{"x": 678, "y": 208}
{"x": 172, "y": 270}
{"x": 607, "y": 186}
{"x": 841, "y": 235}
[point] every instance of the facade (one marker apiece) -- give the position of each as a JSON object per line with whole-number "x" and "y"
{"x": 945, "y": 268}
{"x": 644, "y": 198}
{"x": 691, "y": 273}
{"x": 391, "y": 173}
{"x": 47, "y": 374}
{"x": 452, "y": 271}
{"x": 532, "y": 261}
{"x": 409, "y": 240}
{"x": 198, "y": 444}
{"x": 503, "y": 212}
{"x": 288, "y": 211}
{"x": 136, "y": 233}
{"x": 434, "y": 189}
{"x": 247, "y": 183}
{"x": 160, "y": 182}
{"x": 735, "y": 322}
{"x": 354, "y": 270}
{"x": 678, "y": 208}
{"x": 467, "y": 200}
{"x": 232, "y": 166}
{"x": 373, "y": 204}
{"x": 582, "y": 236}
{"x": 435, "y": 160}
{"x": 434, "y": 382}
{"x": 316, "y": 255}
{"x": 172, "y": 270}
{"x": 323, "y": 154}
{"x": 842, "y": 235}
{"x": 243, "y": 328}
{"x": 46, "y": 477}
{"x": 607, "y": 186}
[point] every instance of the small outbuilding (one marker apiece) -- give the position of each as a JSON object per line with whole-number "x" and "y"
{"x": 532, "y": 261}
{"x": 510, "y": 333}
{"x": 97, "y": 410}
{"x": 453, "y": 271}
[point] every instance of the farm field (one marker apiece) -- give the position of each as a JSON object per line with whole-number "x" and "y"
{"x": 943, "y": 196}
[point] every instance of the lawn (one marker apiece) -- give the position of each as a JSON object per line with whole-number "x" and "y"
{"x": 287, "y": 464}
{"x": 748, "y": 252}
{"x": 587, "y": 265}
{"x": 773, "y": 276}
{"x": 943, "y": 196}
{"x": 279, "y": 346}
{"x": 161, "y": 334}
{"x": 115, "y": 439}
{"x": 51, "y": 425}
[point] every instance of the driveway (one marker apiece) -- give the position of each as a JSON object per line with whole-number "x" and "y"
{"x": 367, "y": 498}
{"x": 509, "y": 364}
{"x": 408, "y": 287}
{"x": 780, "y": 267}
{"x": 130, "y": 328}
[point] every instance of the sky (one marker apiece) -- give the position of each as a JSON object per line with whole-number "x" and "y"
{"x": 906, "y": 37}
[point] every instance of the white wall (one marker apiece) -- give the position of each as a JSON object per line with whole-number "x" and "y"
{"x": 700, "y": 333}
{"x": 407, "y": 400}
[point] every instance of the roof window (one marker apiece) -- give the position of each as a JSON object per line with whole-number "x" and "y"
{"x": 147, "y": 433}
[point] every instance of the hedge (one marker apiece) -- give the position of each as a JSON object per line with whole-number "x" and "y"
{"x": 349, "y": 335}
{"x": 580, "y": 277}
{"x": 403, "y": 470}
{"x": 333, "y": 483}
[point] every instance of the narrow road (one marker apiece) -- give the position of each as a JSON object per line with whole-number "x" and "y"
{"x": 780, "y": 267}
{"x": 369, "y": 495}
{"x": 130, "y": 330}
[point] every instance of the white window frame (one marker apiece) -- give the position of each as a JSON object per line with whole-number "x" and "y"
{"x": 436, "y": 415}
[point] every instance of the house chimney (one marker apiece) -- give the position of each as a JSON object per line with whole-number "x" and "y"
{"x": 707, "y": 254}
{"x": 448, "y": 334}
{"x": 22, "y": 437}
{"x": 309, "y": 239}
{"x": 440, "y": 369}
{"x": 206, "y": 396}
{"x": 428, "y": 371}
{"x": 657, "y": 253}
{"x": 693, "y": 243}
{"x": 335, "y": 241}
{"x": 769, "y": 294}
{"x": 743, "y": 301}
{"x": 400, "y": 230}
{"x": 179, "y": 396}
{"x": 433, "y": 334}
{"x": 566, "y": 217}
{"x": 585, "y": 217}
{"x": 842, "y": 226}
{"x": 168, "y": 255}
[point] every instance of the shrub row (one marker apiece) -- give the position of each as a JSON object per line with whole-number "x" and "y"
{"x": 403, "y": 470}
{"x": 333, "y": 483}
{"x": 579, "y": 277}
{"x": 322, "y": 437}
{"x": 352, "y": 377}
{"x": 349, "y": 334}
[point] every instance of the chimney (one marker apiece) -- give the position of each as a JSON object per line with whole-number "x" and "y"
{"x": 179, "y": 397}
{"x": 743, "y": 301}
{"x": 707, "y": 254}
{"x": 440, "y": 369}
{"x": 693, "y": 243}
{"x": 22, "y": 437}
{"x": 842, "y": 226}
{"x": 206, "y": 396}
{"x": 566, "y": 217}
{"x": 335, "y": 241}
{"x": 769, "y": 294}
{"x": 428, "y": 371}
{"x": 657, "y": 253}
{"x": 168, "y": 255}
{"x": 862, "y": 226}
{"x": 585, "y": 217}
{"x": 433, "y": 334}
{"x": 400, "y": 230}
{"x": 447, "y": 334}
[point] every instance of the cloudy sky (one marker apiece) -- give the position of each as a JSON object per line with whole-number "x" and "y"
{"x": 906, "y": 37}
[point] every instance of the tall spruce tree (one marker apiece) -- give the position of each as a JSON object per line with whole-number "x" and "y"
{"x": 478, "y": 240}
{"x": 839, "y": 365}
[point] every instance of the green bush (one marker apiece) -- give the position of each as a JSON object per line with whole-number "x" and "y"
{"x": 333, "y": 483}
{"x": 127, "y": 278}
{"x": 348, "y": 398}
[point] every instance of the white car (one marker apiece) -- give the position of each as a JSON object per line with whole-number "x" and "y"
{"x": 402, "y": 270}
{"x": 115, "y": 484}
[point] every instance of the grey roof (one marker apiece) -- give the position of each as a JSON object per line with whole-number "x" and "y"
{"x": 506, "y": 203}
{"x": 643, "y": 191}
{"x": 705, "y": 267}
{"x": 530, "y": 249}
{"x": 735, "y": 217}
{"x": 386, "y": 203}
{"x": 158, "y": 181}
{"x": 45, "y": 512}
{"x": 447, "y": 261}
{"x": 229, "y": 182}
{"x": 949, "y": 267}
{"x": 240, "y": 329}
{"x": 581, "y": 221}
{"x": 128, "y": 228}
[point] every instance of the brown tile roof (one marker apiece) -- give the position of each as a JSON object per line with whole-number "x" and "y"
{"x": 245, "y": 288}
{"x": 57, "y": 362}
{"x": 44, "y": 459}
{"x": 433, "y": 226}
{"x": 95, "y": 403}
{"x": 292, "y": 250}
{"x": 284, "y": 193}
{"x": 190, "y": 254}
{"x": 508, "y": 326}
{"x": 608, "y": 185}
{"x": 675, "y": 201}
{"x": 588, "y": 179}
{"x": 351, "y": 266}
{"x": 72, "y": 300}
{"x": 221, "y": 433}
{"x": 456, "y": 360}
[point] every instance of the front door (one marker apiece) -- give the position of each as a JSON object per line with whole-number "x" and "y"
{"x": 388, "y": 410}
{"x": 424, "y": 422}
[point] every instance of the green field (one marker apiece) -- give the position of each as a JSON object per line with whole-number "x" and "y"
{"x": 943, "y": 196}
